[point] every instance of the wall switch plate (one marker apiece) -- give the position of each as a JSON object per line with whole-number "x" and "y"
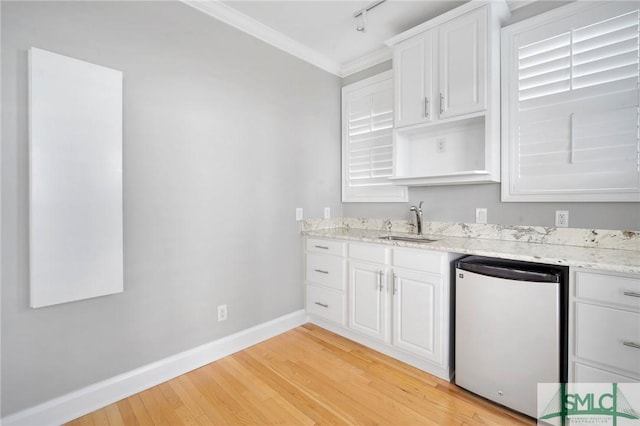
{"x": 327, "y": 212}
{"x": 222, "y": 313}
{"x": 562, "y": 219}
{"x": 299, "y": 213}
{"x": 441, "y": 145}
{"x": 481, "y": 215}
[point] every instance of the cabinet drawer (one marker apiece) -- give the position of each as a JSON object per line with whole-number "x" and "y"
{"x": 335, "y": 248}
{"x": 619, "y": 290}
{"x": 368, "y": 253}
{"x": 587, "y": 374}
{"x": 420, "y": 260}
{"x": 608, "y": 336}
{"x": 326, "y": 270}
{"x": 326, "y": 303}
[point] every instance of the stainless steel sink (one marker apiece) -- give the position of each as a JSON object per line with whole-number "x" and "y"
{"x": 408, "y": 239}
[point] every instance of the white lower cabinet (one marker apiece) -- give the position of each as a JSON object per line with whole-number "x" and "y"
{"x": 368, "y": 299}
{"x": 417, "y": 314}
{"x": 325, "y": 269}
{"x": 398, "y": 302}
{"x": 604, "y": 327}
{"x": 326, "y": 303}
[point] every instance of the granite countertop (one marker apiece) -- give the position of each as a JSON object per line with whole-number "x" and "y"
{"x": 615, "y": 251}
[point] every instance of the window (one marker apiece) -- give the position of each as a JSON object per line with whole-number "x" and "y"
{"x": 570, "y": 105}
{"x": 367, "y": 141}
{"x": 592, "y": 55}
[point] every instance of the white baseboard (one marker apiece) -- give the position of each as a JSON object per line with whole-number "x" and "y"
{"x": 98, "y": 395}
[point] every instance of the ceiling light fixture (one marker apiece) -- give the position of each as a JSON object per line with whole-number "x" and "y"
{"x": 361, "y": 16}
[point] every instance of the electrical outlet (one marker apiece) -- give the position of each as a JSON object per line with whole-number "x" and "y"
{"x": 562, "y": 219}
{"x": 441, "y": 145}
{"x": 222, "y": 313}
{"x": 481, "y": 215}
{"x": 299, "y": 213}
{"x": 327, "y": 212}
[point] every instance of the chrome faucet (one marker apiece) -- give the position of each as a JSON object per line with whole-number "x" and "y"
{"x": 418, "y": 212}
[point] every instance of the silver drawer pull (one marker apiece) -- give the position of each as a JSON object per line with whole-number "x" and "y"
{"x": 324, "y": 305}
{"x": 631, "y": 293}
{"x": 633, "y": 345}
{"x": 322, "y": 247}
{"x": 321, "y": 271}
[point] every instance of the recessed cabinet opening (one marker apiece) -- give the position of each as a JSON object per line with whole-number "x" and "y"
{"x": 445, "y": 150}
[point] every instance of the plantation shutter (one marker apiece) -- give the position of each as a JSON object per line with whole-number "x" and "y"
{"x": 572, "y": 106}
{"x": 368, "y": 142}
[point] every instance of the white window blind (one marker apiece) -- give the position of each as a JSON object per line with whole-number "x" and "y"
{"x": 570, "y": 105}
{"x": 368, "y": 141}
{"x": 595, "y": 54}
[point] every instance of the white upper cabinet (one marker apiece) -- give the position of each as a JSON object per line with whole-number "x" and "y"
{"x": 570, "y": 105}
{"x": 463, "y": 64}
{"x": 414, "y": 84}
{"x": 447, "y": 110}
{"x": 441, "y": 72}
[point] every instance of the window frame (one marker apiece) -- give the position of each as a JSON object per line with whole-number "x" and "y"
{"x": 391, "y": 193}
{"x": 588, "y": 13}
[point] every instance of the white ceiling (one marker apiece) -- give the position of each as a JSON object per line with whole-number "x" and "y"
{"x": 329, "y": 28}
{"x": 323, "y": 32}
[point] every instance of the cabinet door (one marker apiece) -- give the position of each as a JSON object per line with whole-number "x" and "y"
{"x": 417, "y": 314}
{"x": 462, "y": 56}
{"x": 367, "y": 299}
{"x": 413, "y": 75}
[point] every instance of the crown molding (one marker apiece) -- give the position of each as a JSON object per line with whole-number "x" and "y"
{"x": 517, "y": 4}
{"x": 242, "y": 22}
{"x": 366, "y": 61}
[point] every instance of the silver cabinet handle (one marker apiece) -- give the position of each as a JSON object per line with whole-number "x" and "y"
{"x": 395, "y": 286}
{"x": 379, "y": 280}
{"x": 321, "y": 271}
{"x": 441, "y": 103}
{"x": 426, "y": 107}
{"x": 322, "y": 247}
{"x": 631, "y": 293}
{"x": 631, "y": 345}
{"x": 324, "y": 305}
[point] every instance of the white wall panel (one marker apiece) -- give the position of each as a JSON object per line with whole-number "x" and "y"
{"x": 75, "y": 198}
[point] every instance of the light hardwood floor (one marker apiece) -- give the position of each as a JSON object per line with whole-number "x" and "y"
{"x": 303, "y": 377}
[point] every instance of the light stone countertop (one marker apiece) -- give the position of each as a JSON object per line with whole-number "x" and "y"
{"x": 590, "y": 256}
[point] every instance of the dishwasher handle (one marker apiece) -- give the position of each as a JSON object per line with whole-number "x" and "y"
{"x": 511, "y": 270}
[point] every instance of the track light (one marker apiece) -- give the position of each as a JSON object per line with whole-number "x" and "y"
{"x": 361, "y": 16}
{"x": 361, "y": 22}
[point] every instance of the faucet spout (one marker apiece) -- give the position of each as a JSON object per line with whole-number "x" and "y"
{"x": 418, "y": 213}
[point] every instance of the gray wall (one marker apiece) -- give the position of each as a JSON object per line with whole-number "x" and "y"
{"x": 458, "y": 203}
{"x": 224, "y": 136}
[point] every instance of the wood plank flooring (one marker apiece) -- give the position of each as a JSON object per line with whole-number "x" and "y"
{"x": 303, "y": 377}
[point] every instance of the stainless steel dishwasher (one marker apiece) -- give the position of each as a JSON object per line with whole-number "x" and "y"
{"x": 510, "y": 329}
